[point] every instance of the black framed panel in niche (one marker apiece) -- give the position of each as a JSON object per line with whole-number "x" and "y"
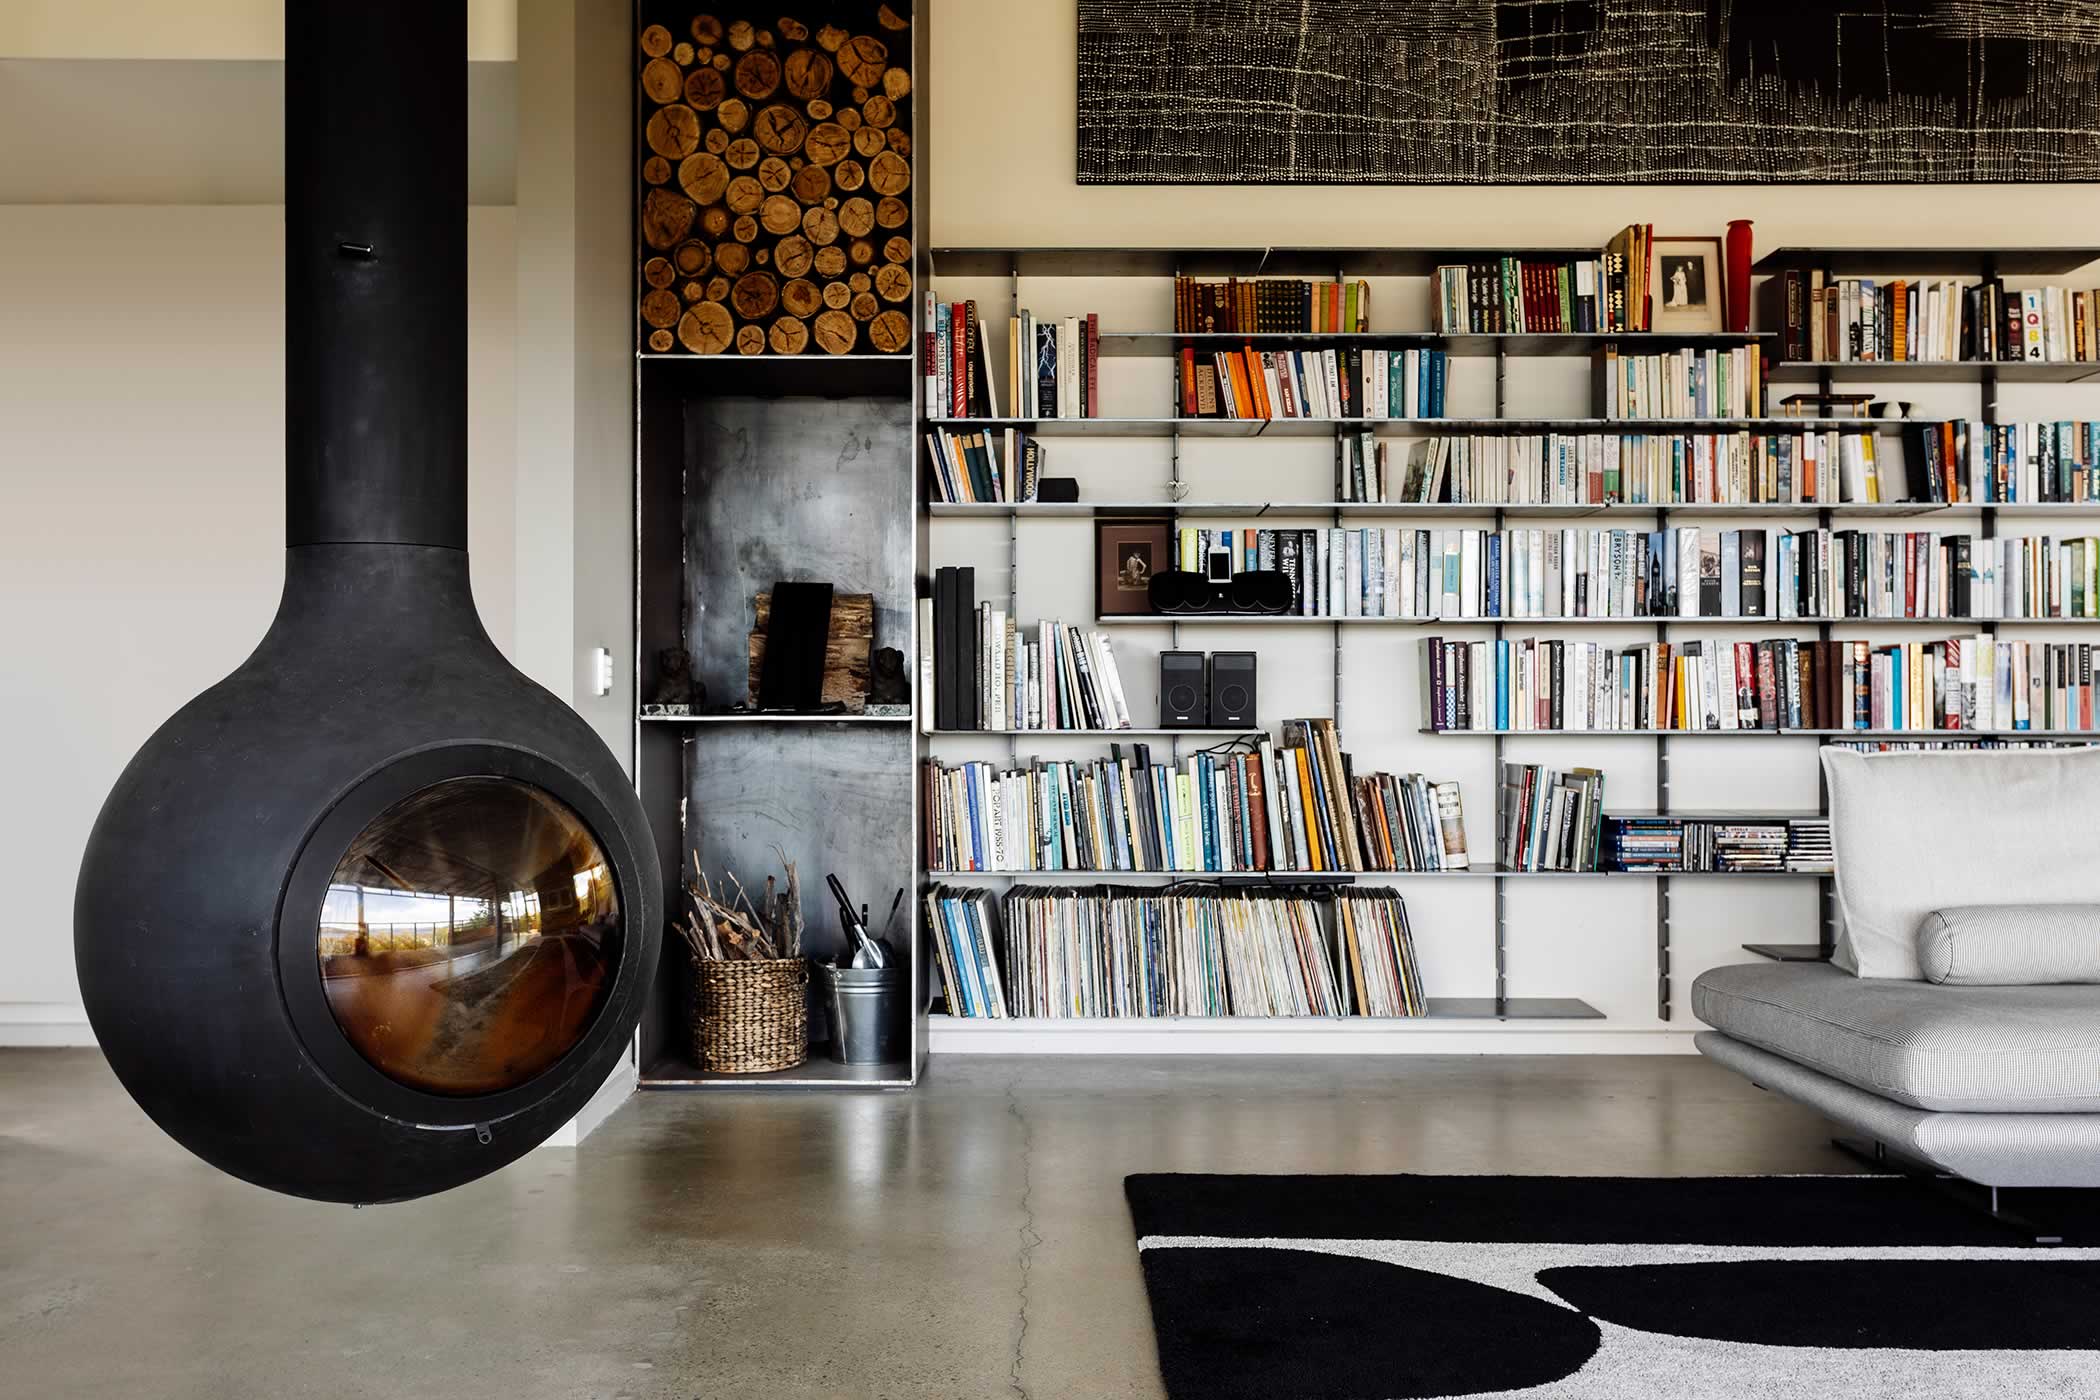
{"x": 775, "y": 177}
{"x": 1589, "y": 91}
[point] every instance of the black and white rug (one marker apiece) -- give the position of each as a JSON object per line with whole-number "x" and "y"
{"x": 1380, "y": 1287}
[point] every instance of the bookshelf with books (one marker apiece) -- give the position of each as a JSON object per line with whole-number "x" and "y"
{"x": 1884, "y": 532}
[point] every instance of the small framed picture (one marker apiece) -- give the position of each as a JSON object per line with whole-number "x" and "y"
{"x": 1127, "y": 553}
{"x": 1684, "y": 279}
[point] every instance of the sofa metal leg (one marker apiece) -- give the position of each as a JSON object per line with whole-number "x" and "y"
{"x": 1866, "y": 1150}
{"x": 1954, "y": 1188}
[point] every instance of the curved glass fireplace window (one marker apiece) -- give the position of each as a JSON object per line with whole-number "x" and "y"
{"x": 469, "y": 936}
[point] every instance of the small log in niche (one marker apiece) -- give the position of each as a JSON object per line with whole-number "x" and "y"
{"x": 775, "y": 170}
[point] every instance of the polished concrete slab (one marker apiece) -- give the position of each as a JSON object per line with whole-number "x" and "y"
{"x": 967, "y": 1239}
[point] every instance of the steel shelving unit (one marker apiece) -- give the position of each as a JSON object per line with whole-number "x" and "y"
{"x": 1172, "y": 499}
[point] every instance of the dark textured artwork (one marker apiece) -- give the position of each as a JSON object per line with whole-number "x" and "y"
{"x": 1587, "y": 91}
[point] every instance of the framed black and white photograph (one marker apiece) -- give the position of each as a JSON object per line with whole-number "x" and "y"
{"x": 1127, "y": 553}
{"x": 1685, "y": 280}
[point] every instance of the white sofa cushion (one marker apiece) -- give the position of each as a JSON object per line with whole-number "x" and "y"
{"x": 1916, "y": 832}
{"x": 1949, "y": 1049}
{"x": 2011, "y": 945}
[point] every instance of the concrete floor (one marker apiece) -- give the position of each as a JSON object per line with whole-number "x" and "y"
{"x": 965, "y": 1240}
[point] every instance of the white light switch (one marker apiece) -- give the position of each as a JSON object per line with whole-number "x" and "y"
{"x": 601, "y": 671}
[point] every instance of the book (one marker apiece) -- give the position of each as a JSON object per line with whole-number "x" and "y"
{"x": 1967, "y": 683}
{"x": 1953, "y": 459}
{"x": 1315, "y": 383}
{"x": 1551, "y": 820}
{"x": 1270, "y": 306}
{"x": 1297, "y": 805}
{"x": 964, "y": 927}
{"x": 1685, "y": 383}
{"x": 1935, "y": 320}
{"x": 1514, "y": 294}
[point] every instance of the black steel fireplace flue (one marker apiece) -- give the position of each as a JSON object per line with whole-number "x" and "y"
{"x": 375, "y": 914}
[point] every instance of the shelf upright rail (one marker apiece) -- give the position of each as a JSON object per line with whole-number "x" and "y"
{"x": 1826, "y": 885}
{"x": 1496, "y": 759}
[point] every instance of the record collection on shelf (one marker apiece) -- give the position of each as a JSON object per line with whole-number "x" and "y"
{"x": 1106, "y": 951}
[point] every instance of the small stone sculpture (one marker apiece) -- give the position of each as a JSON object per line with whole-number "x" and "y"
{"x": 886, "y": 683}
{"x": 674, "y": 678}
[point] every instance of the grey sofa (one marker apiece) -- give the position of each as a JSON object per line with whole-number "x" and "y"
{"x": 1960, "y": 1023}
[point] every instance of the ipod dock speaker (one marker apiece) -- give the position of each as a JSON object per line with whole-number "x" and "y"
{"x": 1184, "y": 697}
{"x": 1255, "y": 591}
{"x": 1232, "y": 690}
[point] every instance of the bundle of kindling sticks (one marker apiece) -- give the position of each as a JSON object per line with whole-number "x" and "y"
{"x": 729, "y": 925}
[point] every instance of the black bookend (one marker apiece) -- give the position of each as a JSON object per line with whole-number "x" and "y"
{"x": 944, "y": 647}
{"x": 796, "y": 631}
{"x": 966, "y": 661}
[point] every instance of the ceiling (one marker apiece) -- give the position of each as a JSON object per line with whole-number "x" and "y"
{"x": 189, "y": 131}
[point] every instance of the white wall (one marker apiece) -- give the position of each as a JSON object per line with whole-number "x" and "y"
{"x": 142, "y": 513}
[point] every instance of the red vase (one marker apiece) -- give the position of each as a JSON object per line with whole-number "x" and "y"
{"x": 1738, "y": 278}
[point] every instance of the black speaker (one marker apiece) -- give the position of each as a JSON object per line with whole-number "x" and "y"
{"x": 1262, "y": 591}
{"x": 1177, "y": 590}
{"x": 1253, "y": 591}
{"x": 1232, "y": 690}
{"x": 1184, "y": 696}
{"x": 1057, "y": 490}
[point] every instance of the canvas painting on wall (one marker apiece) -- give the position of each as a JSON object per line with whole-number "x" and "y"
{"x": 1589, "y": 91}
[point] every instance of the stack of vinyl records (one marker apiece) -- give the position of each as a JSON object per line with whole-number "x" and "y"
{"x": 1122, "y": 951}
{"x": 1380, "y": 948}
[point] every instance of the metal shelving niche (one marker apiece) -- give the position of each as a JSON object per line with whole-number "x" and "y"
{"x": 673, "y": 753}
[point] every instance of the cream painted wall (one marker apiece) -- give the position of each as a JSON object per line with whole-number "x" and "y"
{"x": 1003, "y": 153}
{"x": 575, "y": 542}
{"x": 216, "y": 29}
{"x": 142, "y": 513}
{"x": 999, "y": 172}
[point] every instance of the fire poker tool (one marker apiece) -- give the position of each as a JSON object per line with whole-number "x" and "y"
{"x": 866, "y": 952}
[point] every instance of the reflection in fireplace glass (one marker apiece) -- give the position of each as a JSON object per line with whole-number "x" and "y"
{"x": 469, "y": 936}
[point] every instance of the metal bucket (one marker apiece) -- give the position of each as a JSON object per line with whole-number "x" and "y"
{"x": 870, "y": 1013}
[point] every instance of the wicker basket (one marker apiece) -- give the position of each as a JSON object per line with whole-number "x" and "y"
{"x": 750, "y": 1016}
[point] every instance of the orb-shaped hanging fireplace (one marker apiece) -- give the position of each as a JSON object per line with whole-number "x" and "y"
{"x": 375, "y": 914}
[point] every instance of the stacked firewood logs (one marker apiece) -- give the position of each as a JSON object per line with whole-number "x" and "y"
{"x": 775, "y": 173}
